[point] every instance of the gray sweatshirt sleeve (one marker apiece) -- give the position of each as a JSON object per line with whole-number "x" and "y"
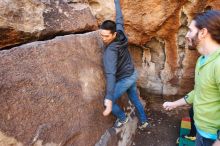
{"x": 119, "y": 20}
{"x": 119, "y": 17}
{"x": 110, "y": 64}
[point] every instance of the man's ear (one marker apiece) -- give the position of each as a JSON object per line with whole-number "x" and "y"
{"x": 115, "y": 33}
{"x": 203, "y": 33}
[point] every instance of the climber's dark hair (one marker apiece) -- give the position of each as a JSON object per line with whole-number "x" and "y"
{"x": 109, "y": 25}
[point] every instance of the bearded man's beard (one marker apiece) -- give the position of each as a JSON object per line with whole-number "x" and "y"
{"x": 192, "y": 43}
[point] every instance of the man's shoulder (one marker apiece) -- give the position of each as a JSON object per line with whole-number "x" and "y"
{"x": 112, "y": 46}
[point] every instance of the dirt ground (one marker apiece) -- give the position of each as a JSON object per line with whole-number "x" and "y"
{"x": 164, "y": 125}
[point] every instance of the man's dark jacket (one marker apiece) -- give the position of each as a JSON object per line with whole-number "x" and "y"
{"x": 117, "y": 60}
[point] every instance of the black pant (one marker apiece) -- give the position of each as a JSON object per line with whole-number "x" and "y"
{"x": 193, "y": 128}
{"x": 202, "y": 141}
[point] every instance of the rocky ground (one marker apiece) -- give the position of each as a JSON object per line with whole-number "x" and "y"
{"x": 164, "y": 126}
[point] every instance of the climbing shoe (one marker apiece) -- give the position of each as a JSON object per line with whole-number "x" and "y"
{"x": 118, "y": 123}
{"x": 143, "y": 125}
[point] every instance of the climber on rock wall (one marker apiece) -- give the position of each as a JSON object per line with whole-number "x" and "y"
{"x": 119, "y": 70}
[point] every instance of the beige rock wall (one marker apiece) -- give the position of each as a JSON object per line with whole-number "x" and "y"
{"x": 156, "y": 31}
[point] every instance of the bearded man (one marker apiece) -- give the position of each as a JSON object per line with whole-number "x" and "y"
{"x": 204, "y": 35}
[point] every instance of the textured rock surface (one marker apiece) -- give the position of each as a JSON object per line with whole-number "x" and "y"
{"x": 156, "y": 30}
{"x": 24, "y": 21}
{"x": 49, "y": 94}
{"x": 102, "y": 9}
{"x": 51, "y": 91}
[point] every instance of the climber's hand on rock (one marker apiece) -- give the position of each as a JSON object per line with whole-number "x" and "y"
{"x": 108, "y": 107}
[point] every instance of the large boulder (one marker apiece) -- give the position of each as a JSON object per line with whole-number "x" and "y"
{"x": 52, "y": 92}
{"x": 24, "y": 21}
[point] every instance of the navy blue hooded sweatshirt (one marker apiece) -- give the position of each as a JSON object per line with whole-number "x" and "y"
{"x": 117, "y": 60}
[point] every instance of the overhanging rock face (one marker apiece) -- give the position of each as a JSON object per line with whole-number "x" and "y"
{"x": 24, "y": 21}
{"x": 52, "y": 92}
